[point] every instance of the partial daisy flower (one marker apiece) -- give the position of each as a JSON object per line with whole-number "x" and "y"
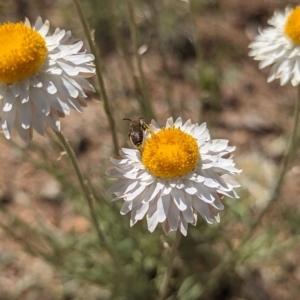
{"x": 41, "y": 77}
{"x": 279, "y": 46}
{"x": 178, "y": 173}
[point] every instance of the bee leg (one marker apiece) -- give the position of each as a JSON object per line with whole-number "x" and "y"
{"x": 150, "y": 131}
{"x": 140, "y": 148}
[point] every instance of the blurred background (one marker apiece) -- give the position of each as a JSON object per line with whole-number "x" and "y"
{"x": 188, "y": 51}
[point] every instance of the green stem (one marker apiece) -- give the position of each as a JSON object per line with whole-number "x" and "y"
{"x": 124, "y": 52}
{"x": 99, "y": 74}
{"x": 192, "y": 11}
{"x": 286, "y": 159}
{"x": 225, "y": 265}
{"x": 147, "y": 108}
{"x": 163, "y": 290}
{"x": 87, "y": 194}
{"x": 165, "y": 69}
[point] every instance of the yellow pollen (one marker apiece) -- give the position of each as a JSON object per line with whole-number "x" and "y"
{"x": 292, "y": 25}
{"x": 22, "y": 52}
{"x": 170, "y": 153}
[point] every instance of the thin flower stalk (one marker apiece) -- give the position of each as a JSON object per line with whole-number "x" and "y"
{"x": 147, "y": 107}
{"x": 118, "y": 37}
{"x": 165, "y": 68}
{"x": 197, "y": 42}
{"x": 228, "y": 263}
{"x": 99, "y": 74}
{"x": 88, "y": 195}
{"x": 283, "y": 169}
{"x": 163, "y": 291}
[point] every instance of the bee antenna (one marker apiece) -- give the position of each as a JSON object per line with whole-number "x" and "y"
{"x": 126, "y": 119}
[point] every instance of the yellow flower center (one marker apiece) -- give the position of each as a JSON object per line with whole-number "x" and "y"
{"x": 22, "y": 52}
{"x": 292, "y": 25}
{"x": 170, "y": 153}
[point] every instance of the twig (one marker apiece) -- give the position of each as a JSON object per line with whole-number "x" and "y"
{"x": 99, "y": 75}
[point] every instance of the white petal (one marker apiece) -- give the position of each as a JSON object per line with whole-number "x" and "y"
{"x": 232, "y": 181}
{"x": 186, "y": 126}
{"x": 218, "y": 204}
{"x": 173, "y": 216}
{"x": 163, "y": 204}
{"x": 53, "y": 120}
{"x": 179, "y": 199}
{"x": 80, "y": 58}
{"x": 38, "y": 24}
{"x": 188, "y": 212}
{"x": 203, "y": 210}
{"x": 71, "y": 49}
{"x": 40, "y": 101}
{"x": 48, "y": 84}
{"x": 38, "y": 121}
{"x": 3, "y": 89}
{"x": 189, "y": 187}
{"x": 209, "y": 182}
{"x": 35, "y": 81}
{"x": 24, "y": 114}
{"x": 204, "y": 194}
{"x": 27, "y": 23}
{"x": 8, "y": 101}
{"x": 178, "y": 122}
{"x": 113, "y": 173}
{"x": 159, "y": 186}
{"x": 53, "y": 41}
{"x": 166, "y": 227}
{"x": 8, "y": 120}
{"x": 25, "y": 134}
{"x": 126, "y": 207}
{"x": 128, "y": 187}
{"x": 141, "y": 210}
{"x": 69, "y": 69}
{"x": 84, "y": 83}
{"x": 24, "y": 93}
{"x": 72, "y": 91}
{"x": 169, "y": 122}
{"x": 183, "y": 226}
{"x": 152, "y": 218}
{"x": 149, "y": 192}
{"x": 119, "y": 184}
{"x": 117, "y": 161}
{"x": 15, "y": 88}
{"x": 44, "y": 29}
{"x": 59, "y": 104}
{"x": 74, "y": 104}
{"x": 135, "y": 193}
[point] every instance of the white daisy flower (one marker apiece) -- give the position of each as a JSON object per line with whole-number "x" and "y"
{"x": 40, "y": 77}
{"x": 279, "y": 46}
{"x": 179, "y": 172}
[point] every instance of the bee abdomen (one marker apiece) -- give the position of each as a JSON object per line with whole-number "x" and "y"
{"x": 137, "y": 138}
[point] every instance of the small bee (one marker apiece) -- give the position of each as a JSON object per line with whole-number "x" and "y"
{"x": 136, "y": 134}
